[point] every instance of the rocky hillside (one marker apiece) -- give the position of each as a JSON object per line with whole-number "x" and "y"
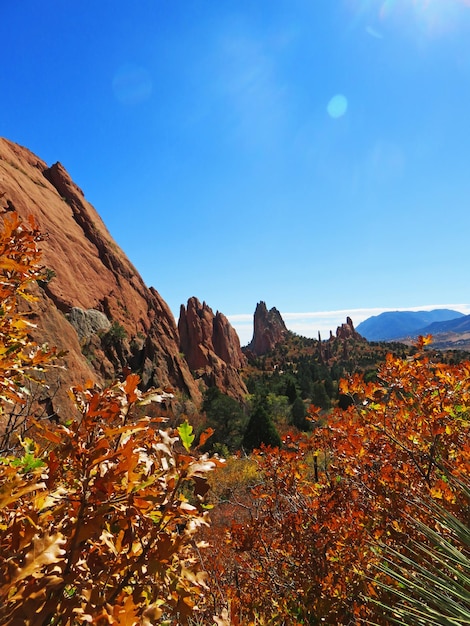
{"x": 94, "y": 303}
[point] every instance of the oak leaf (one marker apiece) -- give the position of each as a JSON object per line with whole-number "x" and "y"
{"x": 46, "y": 550}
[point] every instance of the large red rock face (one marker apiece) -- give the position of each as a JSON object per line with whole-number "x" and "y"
{"x": 212, "y": 348}
{"x": 91, "y": 274}
{"x": 269, "y": 330}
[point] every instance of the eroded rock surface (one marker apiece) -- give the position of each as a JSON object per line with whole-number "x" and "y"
{"x": 89, "y": 271}
{"x": 211, "y": 347}
{"x": 269, "y": 330}
{"x": 88, "y": 323}
{"x": 347, "y": 331}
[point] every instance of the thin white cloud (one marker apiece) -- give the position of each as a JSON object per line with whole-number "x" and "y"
{"x": 309, "y": 324}
{"x": 242, "y": 318}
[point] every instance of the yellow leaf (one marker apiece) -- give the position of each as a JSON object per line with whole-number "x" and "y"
{"x": 436, "y": 493}
{"x": 397, "y": 526}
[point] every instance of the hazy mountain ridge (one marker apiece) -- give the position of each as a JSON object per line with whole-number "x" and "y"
{"x": 395, "y": 325}
{"x": 458, "y": 325}
{"x": 451, "y": 334}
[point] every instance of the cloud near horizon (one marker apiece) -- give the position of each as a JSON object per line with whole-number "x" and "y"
{"x": 311, "y": 323}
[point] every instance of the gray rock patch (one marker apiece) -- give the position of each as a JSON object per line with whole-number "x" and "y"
{"x": 88, "y": 322}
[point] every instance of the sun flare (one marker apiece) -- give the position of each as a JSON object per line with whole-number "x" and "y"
{"x": 435, "y": 17}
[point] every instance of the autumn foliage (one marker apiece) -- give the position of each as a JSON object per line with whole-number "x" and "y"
{"x": 308, "y": 533}
{"x": 97, "y": 515}
{"x": 20, "y": 266}
{"x": 104, "y": 518}
{"x": 97, "y": 518}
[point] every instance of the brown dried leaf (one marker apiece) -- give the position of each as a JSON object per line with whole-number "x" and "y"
{"x": 9, "y": 494}
{"x": 46, "y": 550}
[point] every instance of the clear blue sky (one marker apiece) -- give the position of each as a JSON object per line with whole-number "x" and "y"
{"x": 313, "y": 154}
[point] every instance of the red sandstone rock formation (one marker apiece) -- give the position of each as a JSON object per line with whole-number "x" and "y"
{"x": 90, "y": 273}
{"x": 347, "y": 331}
{"x": 269, "y": 330}
{"x": 328, "y": 350}
{"x": 211, "y": 347}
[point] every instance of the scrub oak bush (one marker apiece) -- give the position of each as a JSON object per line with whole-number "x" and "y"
{"x": 98, "y": 515}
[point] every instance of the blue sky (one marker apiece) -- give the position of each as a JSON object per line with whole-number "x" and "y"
{"x": 311, "y": 154}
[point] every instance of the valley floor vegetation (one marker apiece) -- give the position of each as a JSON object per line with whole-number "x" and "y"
{"x": 351, "y": 513}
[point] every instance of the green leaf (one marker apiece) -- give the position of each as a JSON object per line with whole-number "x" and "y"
{"x": 28, "y": 463}
{"x": 186, "y": 434}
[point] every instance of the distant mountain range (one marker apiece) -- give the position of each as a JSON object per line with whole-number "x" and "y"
{"x": 450, "y": 335}
{"x": 395, "y": 325}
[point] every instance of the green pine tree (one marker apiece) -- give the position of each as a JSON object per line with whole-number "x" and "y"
{"x": 260, "y": 430}
{"x": 299, "y": 413}
{"x": 226, "y": 417}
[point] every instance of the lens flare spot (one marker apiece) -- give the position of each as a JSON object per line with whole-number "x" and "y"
{"x": 337, "y": 106}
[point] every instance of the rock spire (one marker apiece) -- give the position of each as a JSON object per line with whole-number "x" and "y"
{"x": 269, "y": 330}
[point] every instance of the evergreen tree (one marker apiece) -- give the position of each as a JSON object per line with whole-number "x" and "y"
{"x": 299, "y": 413}
{"x": 260, "y": 430}
{"x": 319, "y": 396}
{"x": 304, "y": 379}
{"x": 291, "y": 389}
{"x": 329, "y": 386}
{"x": 226, "y": 417}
